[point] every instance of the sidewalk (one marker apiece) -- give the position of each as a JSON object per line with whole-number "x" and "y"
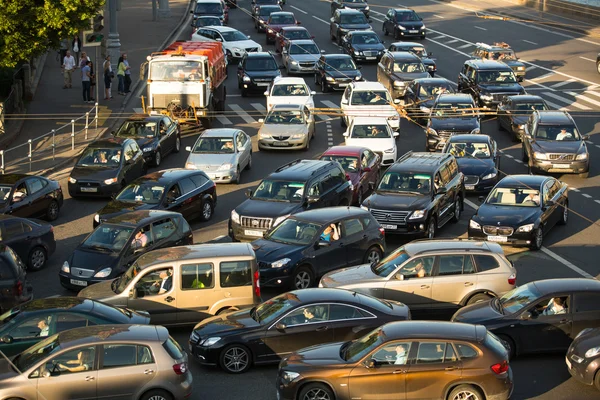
{"x": 54, "y": 107}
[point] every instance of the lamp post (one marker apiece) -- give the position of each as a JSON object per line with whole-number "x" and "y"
{"x": 163, "y": 9}
{"x": 113, "y": 43}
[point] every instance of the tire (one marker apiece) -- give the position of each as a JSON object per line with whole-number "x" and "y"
{"x": 510, "y": 346}
{"x": 478, "y": 298}
{"x": 157, "y": 157}
{"x": 177, "y": 148}
{"x": 207, "y": 211}
{"x": 316, "y": 391}
{"x": 597, "y": 378}
{"x": 52, "y": 210}
{"x": 431, "y": 228}
{"x": 249, "y": 166}
{"x": 524, "y": 157}
{"x": 303, "y": 278}
{"x": 458, "y": 206}
{"x": 156, "y": 394}
{"x": 465, "y": 392}
{"x": 373, "y": 255}
{"x": 37, "y": 258}
{"x": 235, "y": 359}
{"x": 238, "y": 175}
{"x": 564, "y": 218}
{"x": 538, "y": 239}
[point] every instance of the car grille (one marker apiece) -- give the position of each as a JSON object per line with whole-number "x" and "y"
{"x": 500, "y": 96}
{"x": 263, "y": 80}
{"x": 576, "y": 358}
{"x": 281, "y": 137}
{"x": 89, "y": 183}
{"x": 255, "y": 222}
{"x": 447, "y": 134}
{"x": 561, "y": 157}
{"x": 343, "y": 80}
{"x": 307, "y": 64}
{"x": 498, "y": 230}
{"x": 252, "y": 49}
{"x": 208, "y": 167}
{"x": 395, "y": 217}
{"x": 471, "y": 179}
{"x": 370, "y": 53}
{"x": 82, "y": 273}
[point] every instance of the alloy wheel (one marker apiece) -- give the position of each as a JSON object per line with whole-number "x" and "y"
{"x": 177, "y": 144}
{"x": 206, "y": 211}
{"x": 466, "y": 395}
{"x": 53, "y": 211}
{"x": 431, "y": 228}
{"x": 37, "y": 259}
{"x": 236, "y": 359}
{"x": 157, "y": 397}
{"x": 157, "y": 158}
{"x": 539, "y": 238}
{"x": 316, "y": 394}
{"x": 373, "y": 256}
{"x": 565, "y": 214}
{"x": 302, "y": 280}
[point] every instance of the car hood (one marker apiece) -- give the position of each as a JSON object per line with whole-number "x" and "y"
{"x": 320, "y": 355}
{"x": 588, "y": 340}
{"x": 381, "y": 110}
{"x": 368, "y": 47}
{"x": 350, "y": 275}
{"x": 502, "y": 88}
{"x": 356, "y": 27}
{"x": 268, "y": 251}
{"x": 411, "y": 24}
{"x": 506, "y": 215}
{"x": 475, "y": 166}
{"x": 292, "y": 100}
{"x": 305, "y": 57}
{"x": 343, "y": 74}
{"x": 355, "y": 6}
{"x": 396, "y": 201}
{"x": 380, "y": 144}
{"x": 92, "y": 259}
{"x": 558, "y": 146}
{"x": 117, "y": 207}
{"x": 263, "y": 74}
{"x": 99, "y": 291}
{"x": 283, "y": 129}
{"x": 277, "y": 28}
{"x": 226, "y": 324}
{"x": 6, "y": 371}
{"x": 145, "y": 141}
{"x": 241, "y": 44}
{"x": 478, "y": 313}
{"x": 269, "y": 209}
{"x": 213, "y": 160}
{"x": 94, "y": 173}
{"x": 456, "y": 124}
{"x": 411, "y": 76}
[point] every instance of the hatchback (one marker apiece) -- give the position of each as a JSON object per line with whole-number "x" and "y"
{"x": 287, "y": 127}
{"x": 30, "y": 196}
{"x": 583, "y": 357}
{"x": 32, "y": 240}
{"x": 14, "y": 286}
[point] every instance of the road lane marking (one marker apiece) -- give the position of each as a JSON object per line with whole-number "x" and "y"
{"x": 597, "y": 201}
{"x": 530, "y": 42}
{"x": 439, "y": 37}
{"x": 242, "y": 114}
{"x": 574, "y": 189}
{"x": 592, "y": 92}
{"x": 322, "y": 20}
{"x": 448, "y": 47}
{"x": 530, "y": 68}
{"x": 563, "y": 83}
{"x": 478, "y": 27}
{"x": 259, "y": 107}
{"x": 464, "y": 46}
{"x": 438, "y": 16}
{"x": 586, "y": 195}
{"x": 587, "y": 59}
{"x": 330, "y": 104}
{"x": 584, "y": 98}
{"x": 224, "y": 120}
{"x": 299, "y": 9}
{"x": 452, "y": 41}
{"x": 569, "y": 102}
{"x": 539, "y": 78}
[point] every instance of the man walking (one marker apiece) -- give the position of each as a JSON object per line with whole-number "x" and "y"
{"x": 68, "y": 67}
{"x": 86, "y": 77}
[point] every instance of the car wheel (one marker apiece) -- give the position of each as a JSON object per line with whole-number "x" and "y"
{"x": 303, "y": 278}
{"x": 157, "y": 157}
{"x": 52, "y": 210}
{"x": 431, "y": 228}
{"x": 249, "y": 166}
{"x": 565, "y": 215}
{"x": 37, "y": 258}
{"x": 207, "y": 210}
{"x": 457, "y": 209}
{"x": 373, "y": 255}
{"x": 157, "y": 394}
{"x": 538, "y": 239}
{"x": 235, "y": 359}
{"x": 177, "y": 145}
{"x": 238, "y": 175}
{"x": 510, "y": 346}
{"x": 463, "y": 392}
{"x": 316, "y": 391}
{"x": 597, "y": 378}
{"x": 524, "y": 157}
{"x": 478, "y": 298}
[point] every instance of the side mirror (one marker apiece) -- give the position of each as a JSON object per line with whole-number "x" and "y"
{"x": 322, "y": 51}
{"x": 323, "y": 243}
{"x": 430, "y": 53}
{"x": 396, "y": 134}
{"x": 372, "y": 185}
{"x": 188, "y": 148}
{"x": 526, "y": 316}
{"x": 366, "y": 169}
{"x": 396, "y": 101}
{"x": 280, "y": 326}
{"x": 345, "y": 101}
{"x": 549, "y": 203}
{"x": 441, "y": 190}
{"x": 399, "y": 276}
{"x": 346, "y": 134}
{"x": 249, "y": 193}
{"x": 370, "y": 363}
{"x": 219, "y": 39}
{"x": 113, "y": 133}
{"x": 481, "y": 199}
{"x": 359, "y": 67}
{"x": 312, "y": 199}
{"x": 249, "y": 36}
{"x": 261, "y": 120}
{"x": 266, "y": 93}
{"x": 7, "y": 339}
{"x": 283, "y": 51}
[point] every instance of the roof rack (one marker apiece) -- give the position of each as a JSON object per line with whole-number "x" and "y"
{"x": 284, "y": 166}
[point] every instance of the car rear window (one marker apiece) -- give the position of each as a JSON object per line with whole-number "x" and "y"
{"x": 235, "y": 273}
{"x": 173, "y": 348}
{"x": 485, "y": 263}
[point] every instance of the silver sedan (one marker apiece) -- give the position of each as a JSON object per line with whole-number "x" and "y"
{"x": 287, "y": 127}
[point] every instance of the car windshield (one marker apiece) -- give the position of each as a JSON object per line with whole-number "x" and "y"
{"x": 350, "y": 164}
{"x": 340, "y": 64}
{"x": 293, "y": 231}
{"x": 259, "y": 2}
{"x": 528, "y": 107}
{"x": 108, "y": 237}
{"x": 405, "y": 182}
{"x": 261, "y": 64}
{"x": 502, "y": 55}
{"x": 266, "y": 11}
{"x": 454, "y": 110}
{"x": 36, "y": 353}
{"x": 175, "y": 70}
{"x": 307, "y": 48}
{"x": 389, "y": 264}
{"x": 214, "y": 145}
{"x": 496, "y": 77}
{"x": 233, "y": 36}
{"x": 121, "y": 283}
{"x": 285, "y": 191}
{"x": 282, "y": 20}
{"x": 100, "y": 157}
{"x": 9, "y": 315}
{"x": 370, "y": 97}
{"x": 408, "y": 67}
{"x": 297, "y": 34}
{"x": 514, "y": 300}
{"x": 355, "y": 350}
{"x": 517, "y": 197}
{"x": 285, "y": 117}
{"x": 208, "y": 8}
{"x": 274, "y": 308}
{"x": 4, "y": 192}
{"x": 434, "y": 89}
{"x": 147, "y": 193}
{"x": 563, "y": 133}
{"x": 366, "y": 38}
{"x": 468, "y": 149}
{"x": 207, "y": 21}
{"x": 370, "y": 132}
{"x": 353, "y": 19}
{"x": 290, "y": 90}
{"x": 406, "y": 16}
{"x": 137, "y": 129}
{"x": 419, "y": 51}
{"x": 354, "y": 1}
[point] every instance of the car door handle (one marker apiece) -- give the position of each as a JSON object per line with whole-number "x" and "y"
{"x": 89, "y": 378}
{"x": 169, "y": 299}
{"x": 468, "y": 283}
{"x": 450, "y": 368}
{"x": 149, "y": 371}
{"x": 424, "y": 286}
{"x": 322, "y": 328}
{"x": 399, "y": 371}
{"x": 564, "y": 321}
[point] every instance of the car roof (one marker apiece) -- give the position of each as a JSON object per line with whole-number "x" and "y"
{"x": 300, "y": 169}
{"x": 286, "y": 80}
{"x": 470, "y": 138}
{"x": 146, "y": 117}
{"x": 303, "y": 41}
{"x": 484, "y": 64}
{"x": 553, "y": 117}
{"x": 344, "y": 151}
{"x": 10, "y": 179}
{"x": 440, "y": 245}
{"x": 430, "y": 330}
{"x": 349, "y": 11}
{"x": 522, "y": 181}
{"x": 283, "y": 13}
{"x": 110, "y": 334}
{"x": 455, "y": 97}
{"x": 525, "y": 98}
{"x": 193, "y": 252}
{"x": 292, "y": 107}
{"x": 365, "y": 85}
{"x": 407, "y": 44}
{"x": 166, "y": 176}
{"x": 53, "y": 304}
{"x": 222, "y": 28}
{"x": 140, "y": 217}
{"x": 218, "y": 132}
{"x": 404, "y": 55}
{"x": 567, "y": 284}
{"x": 109, "y": 142}
{"x": 208, "y": 1}
{"x": 323, "y": 295}
{"x": 331, "y": 56}
{"x": 293, "y": 28}
{"x": 419, "y": 162}
{"x": 369, "y": 121}
{"x": 259, "y": 54}
{"x": 362, "y": 32}
{"x": 433, "y": 81}
{"x": 402, "y": 9}
{"x": 324, "y": 215}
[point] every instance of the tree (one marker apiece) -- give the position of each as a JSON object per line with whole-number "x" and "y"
{"x": 29, "y": 27}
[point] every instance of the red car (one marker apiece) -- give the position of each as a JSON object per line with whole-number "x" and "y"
{"x": 361, "y": 165}
{"x": 288, "y": 33}
{"x": 278, "y": 20}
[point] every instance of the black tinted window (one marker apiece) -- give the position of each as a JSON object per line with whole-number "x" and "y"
{"x": 235, "y": 273}
{"x": 587, "y": 302}
{"x": 187, "y": 185}
{"x": 199, "y": 179}
{"x": 340, "y": 312}
{"x": 352, "y": 226}
{"x": 12, "y": 228}
{"x": 7, "y": 270}
{"x": 335, "y": 178}
{"x": 173, "y": 348}
{"x": 430, "y": 353}
{"x": 119, "y": 355}
{"x": 485, "y": 263}
{"x": 35, "y": 185}
{"x": 466, "y": 351}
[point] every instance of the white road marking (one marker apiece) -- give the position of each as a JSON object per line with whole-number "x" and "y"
{"x": 569, "y": 102}
{"x": 478, "y": 27}
{"x": 439, "y": 37}
{"x": 584, "y": 98}
{"x": 218, "y": 238}
{"x": 441, "y": 77}
{"x": 438, "y": 16}
{"x": 539, "y": 78}
{"x": 448, "y": 47}
{"x": 590, "y": 91}
{"x": 330, "y": 104}
{"x": 299, "y": 9}
{"x": 509, "y": 156}
{"x": 587, "y": 59}
{"x": 464, "y": 46}
{"x": 377, "y": 19}
{"x": 224, "y": 120}
{"x": 587, "y": 196}
{"x": 556, "y": 106}
{"x": 597, "y": 201}
{"x": 452, "y": 41}
{"x": 574, "y": 189}
{"x": 322, "y": 20}
{"x": 530, "y": 42}
{"x": 530, "y": 68}
{"x": 563, "y": 83}
{"x": 242, "y": 114}
{"x": 259, "y": 107}
{"x": 517, "y": 160}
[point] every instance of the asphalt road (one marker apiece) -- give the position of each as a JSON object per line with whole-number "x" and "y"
{"x": 569, "y": 251}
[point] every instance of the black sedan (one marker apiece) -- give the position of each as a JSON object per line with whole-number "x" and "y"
{"x": 478, "y": 159}
{"x": 256, "y": 71}
{"x": 514, "y": 111}
{"x": 205, "y": 20}
{"x": 263, "y": 13}
{"x": 105, "y": 167}
{"x": 156, "y": 135}
{"x": 188, "y": 192}
{"x": 540, "y": 316}
{"x": 421, "y": 94}
{"x": 286, "y": 323}
{"x": 363, "y": 45}
{"x": 583, "y": 356}
{"x": 520, "y": 210}
{"x": 27, "y": 324}
{"x": 336, "y": 71}
{"x": 32, "y": 240}
{"x": 403, "y": 22}
{"x": 30, "y": 196}
{"x": 419, "y": 50}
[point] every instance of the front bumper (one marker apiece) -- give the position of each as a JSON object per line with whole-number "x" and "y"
{"x": 416, "y": 228}
{"x": 227, "y": 176}
{"x": 517, "y": 239}
{"x": 66, "y": 281}
{"x": 93, "y": 189}
{"x": 412, "y": 33}
{"x": 276, "y": 277}
{"x": 299, "y": 69}
{"x": 572, "y": 167}
{"x": 363, "y": 57}
{"x": 338, "y": 84}
{"x": 481, "y": 186}
{"x": 205, "y": 355}
{"x": 259, "y": 87}
{"x": 286, "y": 144}
{"x": 287, "y": 391}
{"x": 244, "y": 234}
{"x": 584, "y": 372}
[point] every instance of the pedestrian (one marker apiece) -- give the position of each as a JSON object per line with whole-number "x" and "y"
{"x": 108, "y": 76}
{"x": 76, "y": 46}
{"x": 64, "y": 46}
{"x": 68, "y": 66}
{"x": 86, "y": 77}
{"x": 121, "y": 76}
{"x": 127, "y": 74}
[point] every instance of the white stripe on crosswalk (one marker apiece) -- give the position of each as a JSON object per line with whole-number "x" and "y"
{"x": 539, "y": 78}
{"x": 224, "y": 120}
{"x": 439, "y": 37}
{"x": 567, "y": 101}
{"x": 464, "y": 46}
{"x": 259, "y": 107}
{"x": 563, "y": 83}
{"x": 584, "y": 98}
{"x": 330, "y": 104}
{"x": 452, "y": 41}
{"x": 590, "y": 91}
{"x": 530, "y": 68}
{"x": 242, "y": 114}
{"x": 555, "y": 106}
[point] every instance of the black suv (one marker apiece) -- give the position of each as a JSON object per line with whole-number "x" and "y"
{"x": 294, "y": 187}
{"x": 396, "y": 70}
{"x": 418, "y": 194}
{"x": 403, "y": 22}
{"x": 15, "y": 289}
{"x": 360, "y": 5}
{"x": 344, "y": 21}
{"x": 256, "y": 71}
{"x": 451, "y": 114}
{"x": 488, "y": 82}
{"x": 552, "y": 143}
{"x": 336, "y": 71}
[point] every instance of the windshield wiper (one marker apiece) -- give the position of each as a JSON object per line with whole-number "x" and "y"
{"x": 100, "y": 248}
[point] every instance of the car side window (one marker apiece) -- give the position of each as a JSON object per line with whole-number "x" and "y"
{"x": 65, "y": 321}
{"x": 167, "y": 123}
{"x": 394, "y": 353}
{"x": 11, "y": 229}
{"x": 452, "y": 168}
{"x": 163, "y": 229}
{"x": 235, "y": 273}
{"x": 455, "y": 265}
{"x": 547, "y": 307}
{"x": 119, "y": 355}
{"x": 339, "y": 312}
{"x": 585, "y": 302}
{"x": 35, "y": 185}
{"x": 418, "y": 268}
{"x": 199, "y": 180}
{"x": 129, "y": 152}
{"x": 173, "y": 193}
{"x": 352, "y": 227}
{"x": 315, "y": 190}
{"x": 485, "y": 263}
{"x": 155, "y": 282}
{"x": 546, "y": 191}
{"x": 21, "y": 191}
{"x": 7, "y": 271}
{"x": 187, "y": 186}
{"x": 445, "y": 174}
{"x": 312, "y": 314}
{"x": 197, "y": 276}
{"x": 465, "y": 351}
{"x": 431, "y": 353}
{"x": 81, "y": 359}
{"x": 37, "y": 326}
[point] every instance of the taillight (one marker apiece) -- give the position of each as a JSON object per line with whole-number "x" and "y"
{"x": 382, "y": 230}
{"x": 180, "y": 368}
{"x": 347, "y": 177}
{"x": 500, "y": 368}
{"x": 512, "y": 280}
{"x": 257, "y": 283}
{"x": 18, "y": 288}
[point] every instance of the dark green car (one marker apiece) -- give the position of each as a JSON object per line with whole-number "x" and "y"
{"x": 25, "y": 325}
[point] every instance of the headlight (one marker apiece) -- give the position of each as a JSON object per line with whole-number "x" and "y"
{"x": 294, "y": 62}
{"x": 583, "y": 332}
{"x": 280, "y": 263}
{"x": 235, "y": 217}
{"x": 189, "y": 165}
{"x": 72, "y": 180}
{"x": 485, "y": 96}
{"x": 225, "y": 167}
{"x": 103, "y": 273}
{"x": 97, "y": 217}
{"x": 360, "y": 53}
{"x": 329, "y": 79}
{"x": 194, "y": 337}
{"x": 270, "y": 30}
{"x": 209, "y": 341}
{"x": 489, "y": 176}
{"x": 582, "y": 156}
{"x": 288, "y": 376}
{"x": 262, "y": 135}
{"x": 66, "y": 268}
{"x": 521, "y": 68}
{"x": 476, "y": 131}
{"x": 280, "y": 219}
{"x": 358, "y": 77}
{"x": 393, "y": 149}
{"x": 423, "y": 27}
{"x": 297, "y": 136}
{"x": 246, "y": 78}
{"x": 401, "y": 28}
{"x": 237, "y": 50}
{"x": 417, "y": 214}
{"x": 110, "y": 181}
{"x": 474, "y": 225}
{"x": 594, "y": 351}
{"x": 424, "y": 109}
{"x": 432, "y": 132}
{"x": 399, "y": 83}
{"x": 147, "y": 149}
{"x": 539, "y": 156}
{"x": 525, "y": 228}
{"x": 364, "y": 207}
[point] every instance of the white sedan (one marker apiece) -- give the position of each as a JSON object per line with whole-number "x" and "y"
{"x": 286, "y": 90}
{"x": 375, "y": 134}
{"x": 235, "y": 43}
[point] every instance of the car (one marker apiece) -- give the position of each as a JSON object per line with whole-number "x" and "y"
{"x": 396, "y": 70}
{"x": 539, "y": 317}
{"x": 157, "y": 135}
{"x": 361, "y": 164}
{"x": 278, "y": 20}
{"x": 287, "y": 127}
{"x": 287, "y": 33}
{"x": 374, "y": 133}
{"x": 478, "y": 160}
{"x": 216, "y": 8}
{"x": 63, "y": 365}
{"x": 347, "y": 20}
{"x": 360, "y": 5}
{"x": 363, "y": 45}
{"x": 105, "y": 167}
{"x": 488, "y": 82}
{"x": 451, "y": 114}
{"x": 262, "y": 14}
{"x": 114, "y": 245}
{"x": 419, "y": 50}
{"x": 520, "y": 210}
{"x": 432, "y": 275}
{"x": 421, "y": 94}
{"x": 30, "y": 196}
{"x": 286, "y": 90}
{"x": 294, "y": 187}
{"x": 256, "y": 71}
{"x": 336, "y": 71}
{"x": 368, "y": 99}
{"x": 500, "y": 51}
{"x": 189, "y": 192}
{"x": 235, "y": 43}
{"x": 205, "y": 20}
{"x": 418, "y": 195}
{"x": 514, "y": 111}
{"x": 421, "y": 352}
{"x": 583, "y": 356}
{"x": 298, "y": 251}
{"x": 15, "y": 289}
{"x": 222, "y": 153}
{"x": 27, "y": 324}
{"x": 32, "y": 239}
{"x": 288, "y": 322}
{"x": 402, "y": 23}
{"x": 255, "y": 4}
{"x": 552, "y": 143}
{"x": 202, "y": 280}
{"x": 300, "y": 56}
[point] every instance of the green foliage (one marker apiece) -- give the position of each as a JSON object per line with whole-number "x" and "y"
{"x": 29, "y": 27}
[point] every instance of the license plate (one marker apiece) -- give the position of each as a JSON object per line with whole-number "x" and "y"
{"x": 384, "y": 226}
{"x": 262, "y": 84}
{"x": 501, "y": 239}
{"x": 469, "y": 187}
{"x": 561, "y": 166}
{"x": 78, "y": 283}
{"x": 568, "y": 362}
{"x": 89, "y": 189}
{"x": 281, "y": 144}
{"x": 343, "y": 84}
{"x": 413, "y": 31}
{"x": 249, "y": 232}
{"x": 212, "y": 176}
{"x": 371, "y": 58}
